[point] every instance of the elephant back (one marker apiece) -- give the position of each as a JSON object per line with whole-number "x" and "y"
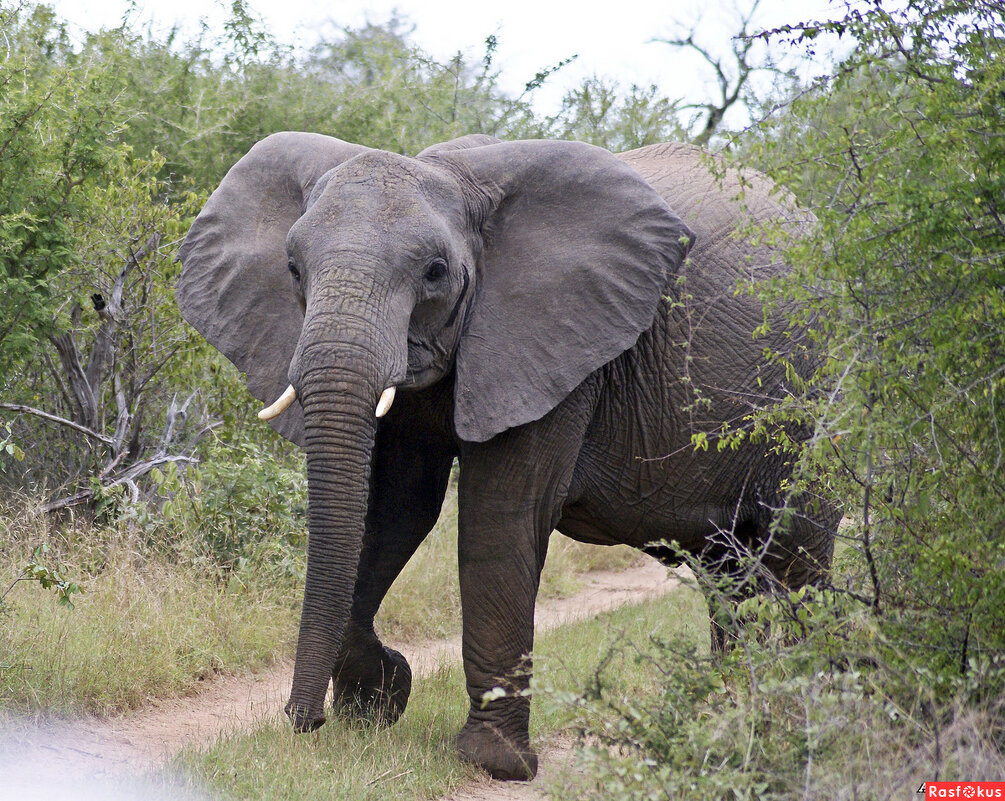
{"x": 714, "y": 366}
{"x": 714, "y": 198}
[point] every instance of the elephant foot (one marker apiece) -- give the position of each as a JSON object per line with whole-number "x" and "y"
{"x": 370, "y": 681}
{"x": 487, "y": 747}
{"x": 301, "y": 718}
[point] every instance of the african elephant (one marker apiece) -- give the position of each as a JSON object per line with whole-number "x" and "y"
{"x": 536, "y": 306}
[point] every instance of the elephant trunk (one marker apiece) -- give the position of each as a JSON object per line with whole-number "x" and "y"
{"x": 339, "y": 394}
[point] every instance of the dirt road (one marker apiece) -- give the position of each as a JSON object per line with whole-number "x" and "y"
{"x": 147, "y": 738}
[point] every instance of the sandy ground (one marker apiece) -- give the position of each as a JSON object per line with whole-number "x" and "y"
{"x": 554, "y": 759}
{"x": 147, "y": 738}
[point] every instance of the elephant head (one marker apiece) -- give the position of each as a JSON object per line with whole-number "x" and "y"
{"x": 513, "y": 270}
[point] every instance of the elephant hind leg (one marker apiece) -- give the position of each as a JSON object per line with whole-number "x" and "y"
{"x": 750, "y": 561}
{"x": 732, "y": 567}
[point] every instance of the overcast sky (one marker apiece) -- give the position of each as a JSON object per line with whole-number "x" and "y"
{"x": 532, "y": 33}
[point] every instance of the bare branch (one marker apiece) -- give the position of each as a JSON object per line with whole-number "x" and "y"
{"x": 112, "y": 464}
{"x": 17, "y": 407}
{"x": 103, "y": 349}
{"x": 730, "y": 89}
{"x": 57, "y": 379}
{"x": 174, "y": 412}
{"x": 122, "y": 412}
{"x": 127, "y": 478}
{"x": 198, "y": 437}
{"x": 72, "y": 500}
{"x": 83, "y": 393}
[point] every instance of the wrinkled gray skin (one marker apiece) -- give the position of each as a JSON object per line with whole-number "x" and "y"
{"x": 515, "y": 293}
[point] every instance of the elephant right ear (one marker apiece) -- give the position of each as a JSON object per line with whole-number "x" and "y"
{"x": 235, "y": 287}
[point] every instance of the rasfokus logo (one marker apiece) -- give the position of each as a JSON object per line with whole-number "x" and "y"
{"x": 963, "y": 790}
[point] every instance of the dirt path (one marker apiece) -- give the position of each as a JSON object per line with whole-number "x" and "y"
{"x": 147, "y": 738}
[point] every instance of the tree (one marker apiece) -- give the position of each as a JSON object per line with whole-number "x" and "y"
{"x": 58, "y": 123}
{"x": 900, "y": 155}
{"x": 735, "y": 73}
{"x": 378, "y": 89}
{"x": 599, "y": 113}
{"x": 103, "y": 146}
{"x": 901, "y": 282}
{"x": 109, "y": 411}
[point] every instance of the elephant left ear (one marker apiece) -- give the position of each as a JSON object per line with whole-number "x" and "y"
{"x": 578, "y": 252}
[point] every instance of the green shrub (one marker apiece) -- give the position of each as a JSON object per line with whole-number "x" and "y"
{"x": 902, "y": 280}
{"x": 811, "y": 702}
{"x": 239, "y": 504}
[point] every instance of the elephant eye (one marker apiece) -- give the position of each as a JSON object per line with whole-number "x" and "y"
{"x": 436, "y": 269}
{"x": 293, "y": 269}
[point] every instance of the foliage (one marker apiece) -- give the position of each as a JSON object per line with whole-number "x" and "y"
{"x": 58, "y": 127}
{"x": 8, "y": 446}
{"x": 110, "y": 413}
{"x": 115, "y": 143}
{"x": 47, "y": 576}
{"x": 896, "y": 673}
{"x": 240, "y": 504}
{"x": 598, "y": 112}
{"x": 802, "y": 706}
{"x": 901, "y": 156}
{"x": 380, "y": 90}
{"x": 204, "y": 102}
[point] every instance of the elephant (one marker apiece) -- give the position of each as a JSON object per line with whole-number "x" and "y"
{"x": 557, "y": 318}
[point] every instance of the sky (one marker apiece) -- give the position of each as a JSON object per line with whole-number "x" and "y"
{"x": 532, "y": 34}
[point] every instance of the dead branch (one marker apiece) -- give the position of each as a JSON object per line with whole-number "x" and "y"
{"x": 126, "y": 478}
{"x": 112, "y": 465}
{"x": 17, "y": 407}
{"x": 84, "y": 398}
{"x": 174, "y": 412}
{"x": 198, "y": 437}
{"x": 109, "y": 311}
{"x": 730, "y": 88}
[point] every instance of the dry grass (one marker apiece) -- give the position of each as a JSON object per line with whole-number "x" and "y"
{"x": 153, "y": 620}
{"x": 871, "y": 755}
{"x": 142, "y": 625}
{"x": 136, "y": 632}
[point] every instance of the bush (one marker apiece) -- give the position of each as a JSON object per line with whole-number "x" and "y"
{"x": 896, "y": 673}
{"x": 240, "y": 504}
{"x": 811, "y": 702}
{"x": 900, "y": 156}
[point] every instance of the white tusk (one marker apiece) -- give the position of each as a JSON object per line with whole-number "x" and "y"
{"x": 386, "y": 399}
{"x": 283, "y": 402}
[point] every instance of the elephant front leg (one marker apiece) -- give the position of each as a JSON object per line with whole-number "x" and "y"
{"x": 512, "y": 490}
{"x": 410, "y": 473}
{"x": 370, "y": 680}
{"x": 498, "y": 590}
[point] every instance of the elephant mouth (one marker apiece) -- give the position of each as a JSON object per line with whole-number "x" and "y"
{"x": 421, "y": 378}
{"x": 424, "y": 367}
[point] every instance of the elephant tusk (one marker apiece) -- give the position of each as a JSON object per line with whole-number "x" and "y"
{"x": 283, "y": 402}
{"x": 386, "y": 399}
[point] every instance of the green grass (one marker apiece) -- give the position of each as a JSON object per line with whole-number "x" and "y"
{"x": 156, "y": 614}
{"x": 136, "y": 632}
{"x": 415, "y": 759}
